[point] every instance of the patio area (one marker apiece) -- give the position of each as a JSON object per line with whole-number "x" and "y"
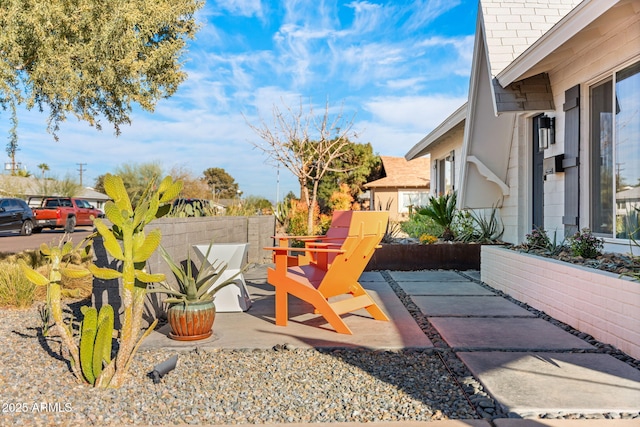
{"x": 509, "y": 361}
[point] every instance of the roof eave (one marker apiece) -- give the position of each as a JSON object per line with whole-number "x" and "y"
{"x": 422, "y": 147}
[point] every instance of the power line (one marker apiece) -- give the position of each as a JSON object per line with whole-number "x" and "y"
{"x": 81, "y": 169}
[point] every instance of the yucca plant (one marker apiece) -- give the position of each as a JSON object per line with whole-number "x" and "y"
{"x": 201, "y": 287}
{"x": 442, "y": 210}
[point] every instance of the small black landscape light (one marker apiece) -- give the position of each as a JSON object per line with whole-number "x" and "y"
{"x": 546, "y": 132}
{"x": 162, "y": 369}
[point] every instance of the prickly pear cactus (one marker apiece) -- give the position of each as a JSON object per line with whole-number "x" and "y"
{"x": 126, "y": 241}
{"x": 55, "y": 256}
{"x": 95, "y": 341}
{"x": 88, "y": 331}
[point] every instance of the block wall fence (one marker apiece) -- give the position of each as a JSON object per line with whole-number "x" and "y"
{"x": 596, "y": 302}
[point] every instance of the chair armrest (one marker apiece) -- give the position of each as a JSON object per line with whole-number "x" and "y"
{"x": 288, "y": 249}
{"x": 296, "y": 237}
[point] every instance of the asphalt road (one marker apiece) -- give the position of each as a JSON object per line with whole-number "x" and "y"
{"x": 13, "y": 242}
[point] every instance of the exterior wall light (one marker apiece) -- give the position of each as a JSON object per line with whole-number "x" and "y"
{"x": 546, "y": 132}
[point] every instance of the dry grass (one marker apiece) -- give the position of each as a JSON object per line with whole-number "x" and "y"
{"x": 15, "y": 290}
{"x": 78, "y": 288}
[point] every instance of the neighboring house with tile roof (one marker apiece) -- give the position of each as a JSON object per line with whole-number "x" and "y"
{"x": 552, "y": 123}
{"x": 404, "y": 184}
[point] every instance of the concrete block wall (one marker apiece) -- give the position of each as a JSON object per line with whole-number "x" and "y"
{"x": 595, "y": 302}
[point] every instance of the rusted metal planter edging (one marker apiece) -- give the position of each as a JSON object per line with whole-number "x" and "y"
{"x": 445, "y": 256}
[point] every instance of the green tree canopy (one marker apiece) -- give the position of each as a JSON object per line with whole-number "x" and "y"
{"x": 91, "y": 59}
{"x": 222, "y": 185}
{"x": 355, "y": 167}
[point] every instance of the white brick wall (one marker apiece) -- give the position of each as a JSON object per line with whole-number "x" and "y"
{"x": 595, "y": 302}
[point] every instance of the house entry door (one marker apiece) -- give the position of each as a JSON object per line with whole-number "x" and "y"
{"x": 537, "y": 179}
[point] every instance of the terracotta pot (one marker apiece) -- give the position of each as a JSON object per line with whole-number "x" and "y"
{"x": 193, "y": 321}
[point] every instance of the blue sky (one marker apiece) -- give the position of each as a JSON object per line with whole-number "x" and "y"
{"x": 399, "y": 68}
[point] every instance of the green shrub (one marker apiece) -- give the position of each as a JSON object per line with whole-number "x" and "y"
{"x": 537, "y": 239}
{"x": 418, "y": 224}
{"x": 585, "y": 244}
{"x": 15, "y": 290}
{"x": 442, "y": 210}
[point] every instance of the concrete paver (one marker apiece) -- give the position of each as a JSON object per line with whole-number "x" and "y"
{"x": 443, "y": 288}
{"x": 531, "y": 383}
{"x": 256, "y": 327}
{"x": 501, "y": 422}
{"x": 371, "y": 276}
{"x": 462, "y": 305}
{"x": 427, "y": 276}
{"x": 505, "y": 333}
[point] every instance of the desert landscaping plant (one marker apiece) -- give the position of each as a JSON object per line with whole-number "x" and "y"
{"x": 442, "y": 210}
{"x": 126, "y": 241}
{"x": 53, "y": 283}
{"x": 480, "y": 226}
{"x": 537, "y": 239}
{"x": 585, "y": 244}
{"x": 202, "y": 286}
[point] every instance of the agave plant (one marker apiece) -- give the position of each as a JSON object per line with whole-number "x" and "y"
{"x": 201, "y": 287}
{"x": 442, "y": 210}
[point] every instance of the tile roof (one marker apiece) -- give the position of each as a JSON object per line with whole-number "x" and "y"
{"x": 512, "y": 26}
{"x": 401, "y": 173}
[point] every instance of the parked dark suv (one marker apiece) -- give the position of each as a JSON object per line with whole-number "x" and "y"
{"x": 16, "y": 215}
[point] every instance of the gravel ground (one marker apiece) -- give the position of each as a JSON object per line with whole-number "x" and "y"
{"x": 282, "y": 385}
{"x": 223, "y": 386}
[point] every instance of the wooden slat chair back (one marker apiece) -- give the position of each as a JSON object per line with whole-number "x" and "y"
{"x": 335, "y": 235}
{"x": 316, "y": 283}
{"x": 333, "y": 238}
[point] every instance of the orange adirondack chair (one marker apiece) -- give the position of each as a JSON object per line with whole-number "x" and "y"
{"x": 334, "y": 272}
{"x": 337, "y": 232}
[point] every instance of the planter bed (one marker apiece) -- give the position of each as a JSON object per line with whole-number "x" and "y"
{"x": 407, "y": 257}
{"x": 596, "y": 302}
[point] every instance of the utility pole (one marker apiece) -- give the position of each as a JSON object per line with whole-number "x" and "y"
{"x": 81, "y": 169}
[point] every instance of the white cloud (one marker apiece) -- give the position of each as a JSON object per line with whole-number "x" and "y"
{"x": 241, "y": 7}
{"x": 417, "y": 112}
{"x": 422, "y": 12}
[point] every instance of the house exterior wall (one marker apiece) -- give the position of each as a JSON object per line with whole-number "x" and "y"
{"x": 386, "y": 199}
{"x": 594, "y": 62}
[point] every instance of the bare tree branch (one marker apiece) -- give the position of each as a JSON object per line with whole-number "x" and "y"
{"x": 306, "y": 144}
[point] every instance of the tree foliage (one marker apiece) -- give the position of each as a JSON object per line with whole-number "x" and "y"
{"x": 307, "y": 144}
{"x": 91, "y": 59}
{"x": 357, "y": 166}
{"x": 192, "y": 187}
{"x": 135, "y": 176}
{"x": 221, "y": 184}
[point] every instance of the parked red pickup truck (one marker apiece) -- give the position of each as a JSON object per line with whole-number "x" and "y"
{"x": 67, "y": 212}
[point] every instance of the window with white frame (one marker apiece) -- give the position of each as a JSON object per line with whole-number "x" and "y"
{"x": 445, "y": 174}
{"x": 615, "y": 154}
{"x": 409, "y": 198}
